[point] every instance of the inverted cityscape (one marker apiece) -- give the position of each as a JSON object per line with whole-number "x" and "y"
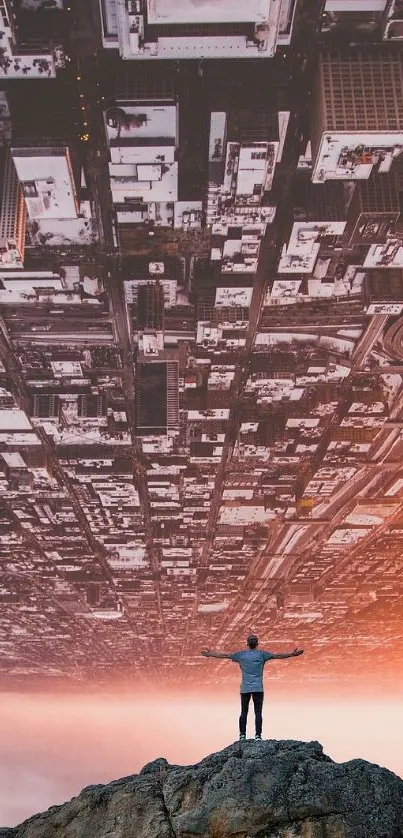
{"x": 201, "y": 338}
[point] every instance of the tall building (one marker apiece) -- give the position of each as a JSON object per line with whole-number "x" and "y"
{"x": 167, "y": 274}
{"x": 393, "y": 30}
{"x": 363, "y": 17}
{"x": 317, "y": 229}
{"x": 13, "y": 215}
{"x": 41, "y": 22}
{"x": 150, "y": 306}
{"x": 157, "y": 396}
{"x": 51, "y": 189}
{"x": 45, "y": 405}
{"x": 244, "y": 148}
{"x": 143, "y": 139}
{"x": 384, "y": 288}
{"x": 168, "y": 29}
{"x": 5, "y": 119}
{"x": 374, "y": 209}
{"x": 357, "y": 113}
{"x": 169, "y": 289}
{"x": 92, "y": 405}
{"x": 16, "y": 471}
{"x": 47, "y": 181}
{"x": 25, "y": 62}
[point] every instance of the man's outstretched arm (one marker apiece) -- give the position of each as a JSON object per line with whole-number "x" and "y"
{"x": 207, "y": 654}
{"x": 294, "y": 654}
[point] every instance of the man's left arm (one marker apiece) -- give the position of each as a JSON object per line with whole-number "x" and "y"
{"x": 282, "y": 655}
{"x": 207, "y": 654}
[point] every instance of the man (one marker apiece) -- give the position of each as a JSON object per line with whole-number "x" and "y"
{"x": 252, "y": 661}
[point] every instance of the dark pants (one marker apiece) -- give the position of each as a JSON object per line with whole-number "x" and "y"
{"x": 258, "y": 704}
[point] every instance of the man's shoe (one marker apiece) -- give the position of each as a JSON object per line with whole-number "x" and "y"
{"x": 242, "y": 737}
{"x": 258, "y": 736}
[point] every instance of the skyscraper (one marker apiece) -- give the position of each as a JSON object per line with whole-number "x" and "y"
{"x": 157, "y": 399}
{"x": 356, "y": 113}
{"x": 153, "y": 29}
{"x": 374, "y": 209}
{"x": 364, "y": 17}
{"x": 150, "y": 306}
{"x": 13, "y": 215}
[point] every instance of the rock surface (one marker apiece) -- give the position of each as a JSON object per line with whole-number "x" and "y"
{"x": 269, "y": 789}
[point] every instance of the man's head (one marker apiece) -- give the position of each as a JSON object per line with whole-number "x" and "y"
{"x": 252, "y": 641}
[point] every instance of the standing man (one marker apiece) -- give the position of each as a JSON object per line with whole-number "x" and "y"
{"x": 252, "y": 661}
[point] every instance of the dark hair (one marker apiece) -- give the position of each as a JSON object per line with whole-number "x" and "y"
{"x": 252, "y": 641}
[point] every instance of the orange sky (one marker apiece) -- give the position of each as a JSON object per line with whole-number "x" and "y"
{"x": 53, "y": 747}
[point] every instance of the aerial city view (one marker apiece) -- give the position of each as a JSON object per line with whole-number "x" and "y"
{"x": 201, "y": 340}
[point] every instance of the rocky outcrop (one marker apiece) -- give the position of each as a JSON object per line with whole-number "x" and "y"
{"x": 251, "y": 789}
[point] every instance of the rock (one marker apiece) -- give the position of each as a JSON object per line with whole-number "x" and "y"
{"x": 265, "y": 789}
{"x": 159, "y": 765}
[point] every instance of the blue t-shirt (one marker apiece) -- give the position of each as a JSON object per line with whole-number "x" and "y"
{"x": 252, "y": 662}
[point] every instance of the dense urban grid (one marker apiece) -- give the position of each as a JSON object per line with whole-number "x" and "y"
{"x": 201, "y": 336}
